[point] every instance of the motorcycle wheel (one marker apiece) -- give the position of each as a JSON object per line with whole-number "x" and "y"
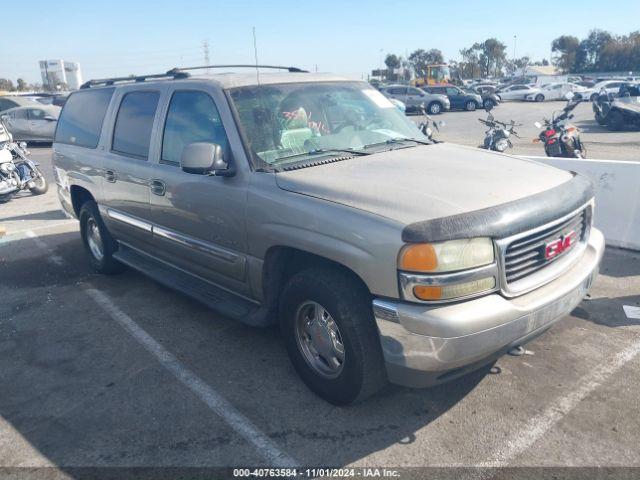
{"x": 40, "y": 184}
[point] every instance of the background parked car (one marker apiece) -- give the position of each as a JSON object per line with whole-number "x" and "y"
{"x": 555, "y": 91}
{"x": 611, "y": 86}
{"x": 33, "y": 123}
{"x": 458, "y": 98}
{"x": 516, "y": 92}
{"x": 11, "y": 101}
{"x": 414, "y": 98}
{"x": 488, "y": 95}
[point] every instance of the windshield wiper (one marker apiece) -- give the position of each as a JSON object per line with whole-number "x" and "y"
{"x": 393, "y": 141}
{"x": 320, "y": 151}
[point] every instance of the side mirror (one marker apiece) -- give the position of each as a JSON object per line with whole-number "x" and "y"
{"x": 205, "y": 159}
{"x": 538, "y": 125}
{"x": 49, "y": 118}
{"x": 4, "y": 118}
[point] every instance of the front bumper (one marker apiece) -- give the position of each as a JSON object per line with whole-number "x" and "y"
{"x": 425, "y": 345}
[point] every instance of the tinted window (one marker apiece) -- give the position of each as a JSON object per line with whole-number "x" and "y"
{"x": 192, "y": 117}
{"x": 452, "y": 91}
{"x": 397, "y": 91}
{"x": 132, "y": 132}
{"x": 36, "y": 114}
{"x": 20, "y": 114}
{"x": 6, "y": 104}
{"x": 415, "y": 91}
{"x": 440, "y": 90}
{"x": 81, "y": 119}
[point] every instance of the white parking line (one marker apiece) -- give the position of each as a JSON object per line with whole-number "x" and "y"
{"x": 241, "y": 424}
{"x": 53, "y": 258}
{"x": 538, "y": 426}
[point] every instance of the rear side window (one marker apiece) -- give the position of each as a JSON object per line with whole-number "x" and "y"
{"x": 132, "y": 132}
{"x": 81, "y": 119}
{"x": 192, "y": 117}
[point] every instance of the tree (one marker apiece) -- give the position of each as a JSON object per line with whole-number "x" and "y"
{"x": 493, "y": 56}
{"x": 567, "y": 47}
{"x": 421, "y": 58}
{"x": 392, "y": 61}
{"x": 22, "y": 85}
{"x": 6, "y": 85}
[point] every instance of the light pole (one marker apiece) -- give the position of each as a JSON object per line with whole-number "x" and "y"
{"x": 515, "y": 37}
{"x": 380, "y": 71}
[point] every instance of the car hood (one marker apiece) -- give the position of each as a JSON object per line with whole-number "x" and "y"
{"x": 422, "y": 183}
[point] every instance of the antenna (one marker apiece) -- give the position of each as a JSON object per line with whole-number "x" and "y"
{"x": 255, "y": 53}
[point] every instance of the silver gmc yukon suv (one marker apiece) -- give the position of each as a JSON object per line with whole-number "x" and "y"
{"x": 310, "y": 201}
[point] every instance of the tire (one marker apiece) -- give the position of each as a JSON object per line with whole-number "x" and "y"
{"x": 348, "y": 306}
{"x": 93, "y": 228}
{"x": 40, "y": 184}
{"x": 470, "y": 106}
{"x": 600, "y": 120}
{"x": 593, "y": 97}
{"x": 615, "y": 121}
{"x": 434, "y": 108}
{"x": 488, "y": 104}
{"x": 539, "y": 98}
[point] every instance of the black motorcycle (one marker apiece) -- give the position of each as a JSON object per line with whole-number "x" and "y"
{"x": 428, "y": 125}
{"x": 497, "y": 136}
{"x": 560, "y": 138}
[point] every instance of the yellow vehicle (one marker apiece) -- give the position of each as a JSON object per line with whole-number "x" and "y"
{"x": 439, "y": 73}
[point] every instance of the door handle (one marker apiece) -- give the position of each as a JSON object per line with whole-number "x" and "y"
{"x": 158, "y": 187}
{"x": 110, "y": 176}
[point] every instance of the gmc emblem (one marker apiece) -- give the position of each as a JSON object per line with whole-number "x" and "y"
{"x": 559, "y": 245}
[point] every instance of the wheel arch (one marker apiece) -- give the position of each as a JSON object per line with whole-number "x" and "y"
{"x": 282, "y": 262}
{"x": 79, "y": 196}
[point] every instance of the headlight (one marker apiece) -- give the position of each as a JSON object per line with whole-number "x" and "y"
{"x": 446, "y": 256}
{"x": 502, "y": 145}
{"x": 7, "y": 167}
{"x": 449, "y": 270}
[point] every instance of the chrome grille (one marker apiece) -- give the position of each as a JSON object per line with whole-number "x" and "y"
{"x": 526, "y": 255}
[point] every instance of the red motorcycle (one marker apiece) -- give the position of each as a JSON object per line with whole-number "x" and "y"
{"x": 560, "y": 138}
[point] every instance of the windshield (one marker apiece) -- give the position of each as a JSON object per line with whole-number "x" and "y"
{"x": 288, "y": 123}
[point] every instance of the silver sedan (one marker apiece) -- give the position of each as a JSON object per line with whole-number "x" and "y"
{"x": 35, "y": 124}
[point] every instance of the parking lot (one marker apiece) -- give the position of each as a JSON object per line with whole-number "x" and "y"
{"x": 120, "y": 371}
{"x": 464, "y": 128}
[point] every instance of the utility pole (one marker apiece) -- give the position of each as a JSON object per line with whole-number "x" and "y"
{"x": 205, "y": 51}
{"x": 515, "y": 37}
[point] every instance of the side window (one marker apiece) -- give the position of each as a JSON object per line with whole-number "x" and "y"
{"x": 20, "y": 114}
{"x": 81, "y": 118}
{"x": 452, "y": 91}
{"x": 132, "y": 131}
{"x": 36, "y": 114}
{"x": 192, "y": 117}
{"x": 415, "y": 91}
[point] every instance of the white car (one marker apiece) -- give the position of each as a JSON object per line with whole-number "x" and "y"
{"x": 555, "y": 91}
{"x": 611, "y": 86}
{"x": 516, "y": 92}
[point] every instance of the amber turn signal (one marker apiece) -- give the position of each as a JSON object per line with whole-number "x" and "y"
{"x": 420, "y": 257}
{"x": 425, "y": 292}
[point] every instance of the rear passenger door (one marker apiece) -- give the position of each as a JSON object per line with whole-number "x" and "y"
{"x": 199, "y": 222}
{"x": 126, "y": 168}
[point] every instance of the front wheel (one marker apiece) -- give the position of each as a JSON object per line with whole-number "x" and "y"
{"x": 434, "y": 108}
{"x": 40, "y": 185}
{"x": 470, "y": 106}
{"x": 539, "y": 98}
{"x": 331, "y": 336}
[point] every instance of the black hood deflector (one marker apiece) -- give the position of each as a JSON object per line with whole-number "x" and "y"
{"x": 506, "y": 219}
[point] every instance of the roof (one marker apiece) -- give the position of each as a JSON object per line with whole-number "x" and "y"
{"x": 22, "y": 101}
{"x": 541, "y": 70}
{"x": 52, "y": 109}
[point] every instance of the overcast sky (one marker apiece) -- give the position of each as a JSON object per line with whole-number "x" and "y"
{"x": 117, "y": 37}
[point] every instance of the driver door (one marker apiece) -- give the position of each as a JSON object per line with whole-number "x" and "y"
{"x": 199, "y": 223}
{"x": 41, "y": 124}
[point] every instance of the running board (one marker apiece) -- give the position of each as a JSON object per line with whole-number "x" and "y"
{"x": 213, "y": 296}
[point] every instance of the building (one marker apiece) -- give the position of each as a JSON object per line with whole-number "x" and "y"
{"x": 60, "y": 75}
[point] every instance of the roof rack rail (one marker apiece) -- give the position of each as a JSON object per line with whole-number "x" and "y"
{"x": 101, "y": 82}
{"x": 204, "y": 67}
